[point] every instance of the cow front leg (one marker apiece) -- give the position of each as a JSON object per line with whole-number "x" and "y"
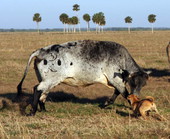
{"x": 112, "y": 99}
{"x": 125, "y": 94}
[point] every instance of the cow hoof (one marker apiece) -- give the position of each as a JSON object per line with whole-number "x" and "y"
{"x": 102, "y": 106}
{"x": 42, "y": 110}
{"x": 30, "y": 114}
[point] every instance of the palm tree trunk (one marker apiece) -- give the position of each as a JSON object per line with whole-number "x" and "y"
{"x": 88, "y": 26}
{"x": 74, "y": 28}
{"x": 64, "y": 29}
{"x": 99, "y": 28}
{"x": 129, "y": 29}
{"x": 79, "y": 27}
{"x": 38, "y": 28}
{"x": 152, "y": 28}
{"x": 67, "y": 28}
{"x": 96, "y": 28}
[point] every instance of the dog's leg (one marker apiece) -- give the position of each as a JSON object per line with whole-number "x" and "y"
{"x": 147, "y": 113}
{"x": 160, "y": 116}
{"x": 143, "y": 114}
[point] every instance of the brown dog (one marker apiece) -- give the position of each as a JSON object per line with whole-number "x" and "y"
{"x": 142, "y": 107}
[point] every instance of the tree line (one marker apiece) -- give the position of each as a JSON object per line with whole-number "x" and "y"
{"x": 70, "y": 23}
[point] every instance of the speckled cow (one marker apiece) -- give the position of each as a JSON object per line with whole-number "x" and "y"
{"x": 82, "y": 63}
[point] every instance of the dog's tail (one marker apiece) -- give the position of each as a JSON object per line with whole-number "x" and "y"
{"x": 150, "y": 98}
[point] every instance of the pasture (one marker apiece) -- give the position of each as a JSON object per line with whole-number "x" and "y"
{"x": 74, "y": 112}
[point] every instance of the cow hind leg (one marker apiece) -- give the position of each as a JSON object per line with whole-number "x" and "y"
{"x": 43, "y": 87}
{"x": 40, "y": 93}
{"x": 42, "y": 106}
{"x": 36, "y": 96}
{"x": 42, "y": 101}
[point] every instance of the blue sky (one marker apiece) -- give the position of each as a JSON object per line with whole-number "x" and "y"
{"x": 18, "y": 13}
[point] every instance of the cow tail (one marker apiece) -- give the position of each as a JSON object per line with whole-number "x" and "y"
{"x": 19, "y": 87}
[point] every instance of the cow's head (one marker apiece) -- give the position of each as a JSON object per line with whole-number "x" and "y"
{"x": 136, "y": 81}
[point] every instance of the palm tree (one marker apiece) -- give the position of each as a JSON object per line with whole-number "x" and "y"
{"x": 76, "y": 8}
{"x": 64, "y": 19}
{"x": 152, "y": 19}
{"x": 102, "y": 23}
{"x": 69, "y": 22}
{"x": 86, "y": 17}
{"x": 94, "y": 18}
{"x": 98, "y": 18}
{"x": 101, "y": 20}
{"x": 74, "y": 21}
{"x": 37, "y": 19}
{"x": 128, "y": 20}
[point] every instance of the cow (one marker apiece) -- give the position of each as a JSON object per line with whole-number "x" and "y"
{"x": 168, "y": 52}
{"x": 82, "y": 63}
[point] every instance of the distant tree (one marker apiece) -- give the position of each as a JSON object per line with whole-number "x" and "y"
{"x": 37, "y": 19}
{"x": 95, "y": 20}
{"x": 69, "y": 22}
{"x": 64, "y": 19}
{"x": 74, "y": 21}
{"x": 98, "y": 18}
{"x": 152, "y": 19}
{"x": 128, "y": 20}
{"x": 76, "y": 8}
{"x": 87, "y": 18}
{"x": 102, "y": 23}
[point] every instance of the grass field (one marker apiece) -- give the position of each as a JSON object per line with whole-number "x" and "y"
{"x": 75, "y": 112}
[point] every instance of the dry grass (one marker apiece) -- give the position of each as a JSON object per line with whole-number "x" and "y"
{"x": 74, "y": 112}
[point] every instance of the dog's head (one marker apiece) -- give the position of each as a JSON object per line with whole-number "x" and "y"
{"x": 132, "y": 98}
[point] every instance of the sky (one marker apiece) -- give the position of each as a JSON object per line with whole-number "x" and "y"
{"x": 18, "y": 14}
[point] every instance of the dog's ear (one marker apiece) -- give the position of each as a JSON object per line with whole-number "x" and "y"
{"x": 137, "y": 97}
{"x": 130, "y": 96}
{"x": 130, "y": 100}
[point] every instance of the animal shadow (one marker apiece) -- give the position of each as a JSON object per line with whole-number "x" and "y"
{"x": 26, "y": 99}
